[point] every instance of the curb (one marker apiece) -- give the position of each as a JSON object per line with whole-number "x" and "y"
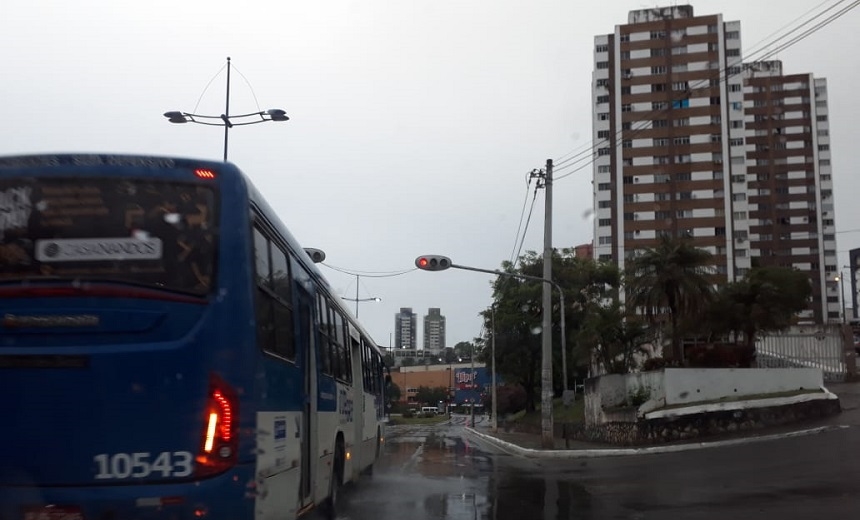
{"x": 514, "y": 449}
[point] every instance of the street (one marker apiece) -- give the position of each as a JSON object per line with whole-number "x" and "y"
{"x": 434, "y": 472}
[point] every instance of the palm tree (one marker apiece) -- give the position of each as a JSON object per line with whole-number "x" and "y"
{"x": 672, "y": 277}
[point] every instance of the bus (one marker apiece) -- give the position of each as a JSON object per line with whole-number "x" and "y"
{"x": 168, "y": 350}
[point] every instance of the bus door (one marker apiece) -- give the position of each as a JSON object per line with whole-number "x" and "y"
{"x": 306, "y": 344}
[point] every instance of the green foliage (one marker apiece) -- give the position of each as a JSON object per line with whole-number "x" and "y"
{"x": 463, "y": 350}
{"x": 765, "y": 300}
{"x": 639, "y": 396}
{"x": 518, "y": 316}
{"x": 407, "y": 362}
{"x": 672, "y": 279}
{"x": 430, "y": 396}
{"x": 392, "y": 393}
{"x": 613, "y": 338}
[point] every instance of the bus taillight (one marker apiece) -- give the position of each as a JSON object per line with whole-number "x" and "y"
{"x": 220, "y": 446}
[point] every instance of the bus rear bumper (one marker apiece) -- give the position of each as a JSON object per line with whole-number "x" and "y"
{"x": 229, "y": 496}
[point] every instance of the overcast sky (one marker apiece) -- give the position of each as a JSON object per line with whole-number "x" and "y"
{"x": 413, "y": 123}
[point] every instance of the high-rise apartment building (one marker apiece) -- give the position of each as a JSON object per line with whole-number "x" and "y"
{"x": 789, "y": 177}
{"x": 679, "y": 143}
{"x": 405, "y": 328}
{"x": 434, "y": 330}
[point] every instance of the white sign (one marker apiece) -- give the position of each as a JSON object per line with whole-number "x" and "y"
{"x": 97, "y": 249}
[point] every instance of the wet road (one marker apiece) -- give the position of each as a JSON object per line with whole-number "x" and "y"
{"x": 443, "y": 472}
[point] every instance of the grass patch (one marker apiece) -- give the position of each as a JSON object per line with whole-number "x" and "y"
{"x": 575, "y": 413}
{"x": 733, "y": 399}
{"x": 418, "y": 420}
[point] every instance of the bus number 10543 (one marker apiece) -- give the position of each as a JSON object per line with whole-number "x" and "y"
{"x": 142, "y": 465}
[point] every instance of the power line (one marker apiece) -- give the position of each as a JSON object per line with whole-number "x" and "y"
{"x": 724, "y": 74}
{"x": 369, "y": 274}
{"x": 522, "y": 213}
{"x": 560, "y": 164}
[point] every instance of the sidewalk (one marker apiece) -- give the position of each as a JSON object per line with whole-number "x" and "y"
{"x": 529, "y": 445}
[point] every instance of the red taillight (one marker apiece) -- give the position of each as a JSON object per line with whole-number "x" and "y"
{"x": 220, "y": 446}
{"x": 204, "y": 174}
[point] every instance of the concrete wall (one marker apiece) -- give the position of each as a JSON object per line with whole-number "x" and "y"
{"x": 606, "y": 395}
{"x": 691, "y": 385}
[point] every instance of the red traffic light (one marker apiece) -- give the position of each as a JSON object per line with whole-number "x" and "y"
{"x": 433, "y": 263}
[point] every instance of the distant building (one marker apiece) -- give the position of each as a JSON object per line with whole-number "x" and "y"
{"x": 584, "y": 251}
{"x": 405, "y": 329}
{"x": 434, "y": 330}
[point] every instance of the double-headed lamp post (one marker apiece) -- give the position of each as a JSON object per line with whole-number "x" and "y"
{"x": 441, "y": 263}
{"x": 357, "y": 299}
{"x": 226, "y": 120}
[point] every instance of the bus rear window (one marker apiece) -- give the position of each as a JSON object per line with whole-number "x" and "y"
{"x": 140, "y": 231}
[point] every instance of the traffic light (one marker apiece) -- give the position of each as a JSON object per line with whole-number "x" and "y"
{"x": 433, "y": 262}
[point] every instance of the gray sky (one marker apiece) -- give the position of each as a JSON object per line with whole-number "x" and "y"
{"x": 414, "y": 123}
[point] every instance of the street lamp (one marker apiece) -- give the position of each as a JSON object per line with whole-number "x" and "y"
{"x": 357, "y": 299}
{"x": 226, "y": 120}
{"x": 838, "y": 278}
{"x": 441, "y": 263}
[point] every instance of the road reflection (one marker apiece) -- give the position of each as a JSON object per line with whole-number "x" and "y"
{"x": 441, "y": 474}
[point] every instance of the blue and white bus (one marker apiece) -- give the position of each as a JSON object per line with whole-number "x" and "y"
{"x": 168, "y": 350}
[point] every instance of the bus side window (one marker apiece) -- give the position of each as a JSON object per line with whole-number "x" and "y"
{"x": 323, "y": 346}
{"x": 265, "y": 316}
{"x": 274, "y": 314}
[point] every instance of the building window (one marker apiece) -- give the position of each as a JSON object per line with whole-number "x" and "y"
{"x": 659, "y": 123}
{"x": 684, "y": 121}
{"x": 735, "y": 87}
{"x": 679, "y": 85}
{"x": 823, "y": 147}
{"x": 660, "y": 69}
{"x": 627, "y": 143}
{"x": 658, "y": 52}
{"x": 602, "y": 48}
{"x": 628, "y": 216}
{"x": 602, "y": 82}
{"x": 604, "y": 186}
{"x": 604, "y": 204}
{"x": 602, "y": 134}
{"x": 628, "y": 125}
{"x": 679, "y": 50}
{"x": 626, "y": 108}
{"x": 658, "y": 35}
{"x": 602, "y": 99}
{"x": 682, "y": 140}
{"x": 736, "y": 142}
{"x": 627, "y": 179}
{"x": 624, "y": 38}
{"x": 715, "y": 100}
{"x": 733, "y": 35}
{"x": 604, "y": 222}
{"x": 603, "y": 116}
{"x": 681, "y": 103}
{"x": 625, "y": 55}
{"x": 603, "y": 151}
{"x": 602, "y": 64}
{"x": 733, "y": 53}
{"x": 661, "y": 142}
{"x": 605, "y": 241}
{"x": 603, "y": 168}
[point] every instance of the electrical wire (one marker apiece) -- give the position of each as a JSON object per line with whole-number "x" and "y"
{"x": 369, "y": 274}
{"x": 587, "y": 155}
{"x": 589, "y": 149}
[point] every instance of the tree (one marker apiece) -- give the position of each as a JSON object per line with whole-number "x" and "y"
{"x": 512, "y": 399}
{"x": 407, "y": 362}
{"x": 613, "y": 339}
{"x": 463, "y": 349}
{"x": 392, "y": 393}
{"x": 449, "y": 355}
{"x": 671, "y": 278}
{"x": 766, "y": 299}
{"x": 431, "y": 395}
{"x": 518, "y": 316}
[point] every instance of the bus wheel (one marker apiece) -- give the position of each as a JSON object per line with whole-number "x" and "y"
{"x": 333, "y": 501}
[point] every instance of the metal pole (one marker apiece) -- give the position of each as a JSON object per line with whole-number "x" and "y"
{"x": 474, "y": 385}
{"x": 227, "y": 111}
{"x": 842, "y": 292}
{"x": 563, "y": 341}
{"x": 495, "y": 410}
{"x": 356, "y": 296}
{"x": 547, "y": 441}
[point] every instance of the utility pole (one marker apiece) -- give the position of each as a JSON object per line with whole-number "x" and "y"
{"x": 495, "y": 410}
{"x": 547, "y": 438}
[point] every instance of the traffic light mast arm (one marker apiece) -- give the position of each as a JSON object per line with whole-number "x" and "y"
{"x": 538, "y": 279}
